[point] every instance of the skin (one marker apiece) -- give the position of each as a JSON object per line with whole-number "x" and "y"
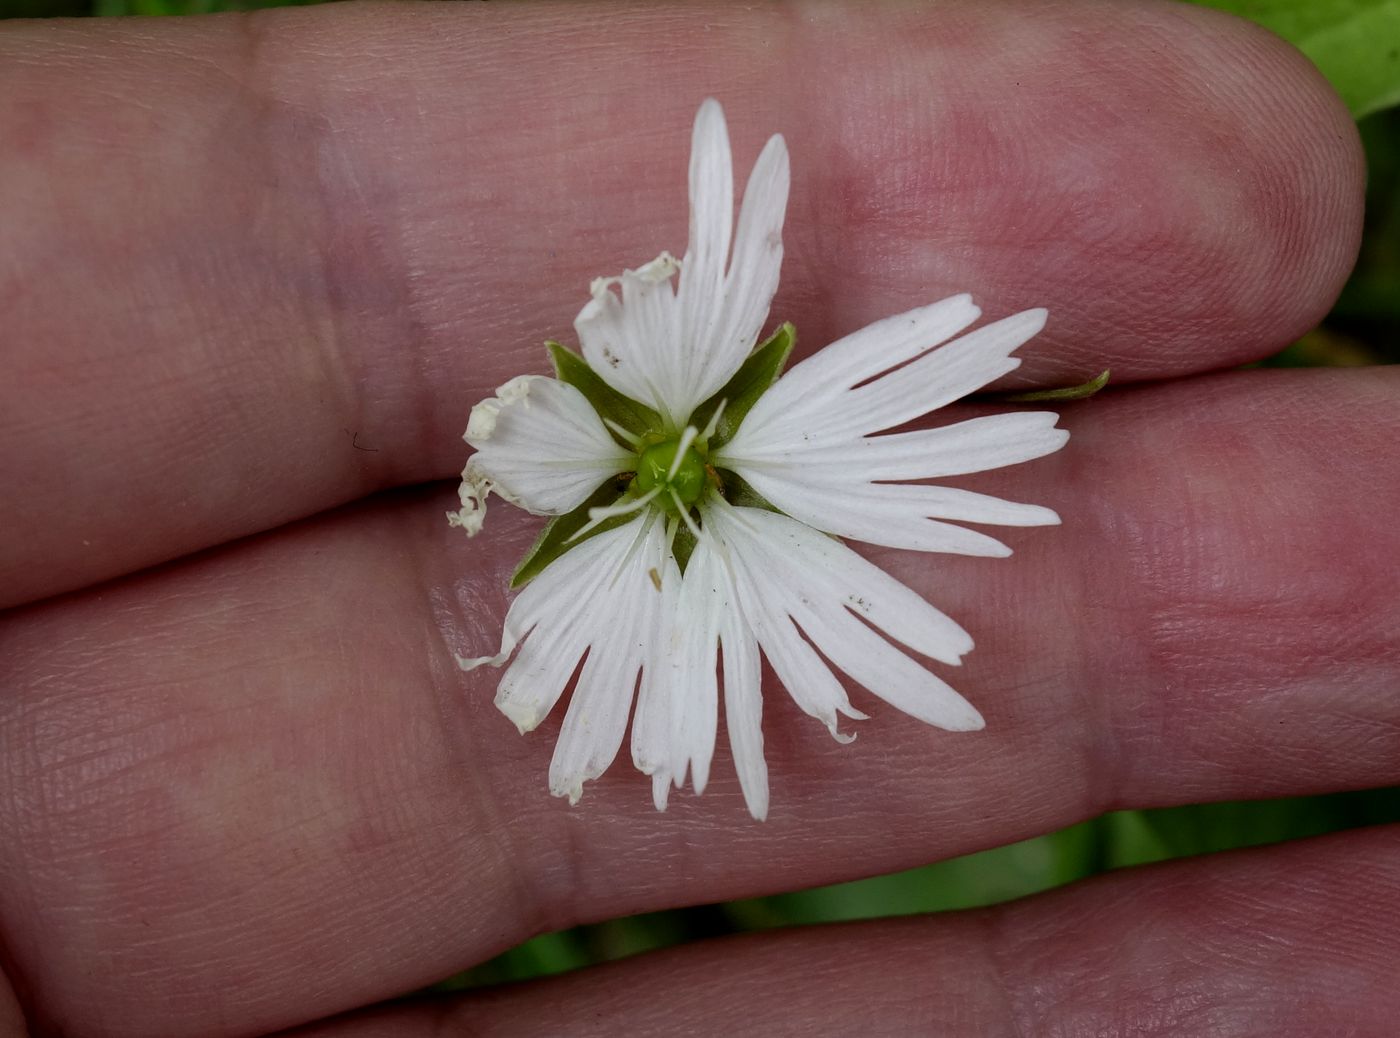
{"x": 255, "y": 271}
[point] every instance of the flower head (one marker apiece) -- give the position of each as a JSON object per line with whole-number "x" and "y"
{"x": 696, "y": 495}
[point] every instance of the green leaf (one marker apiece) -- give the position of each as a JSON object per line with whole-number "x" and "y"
{"x": 985, "y": 878}
{"x": 553, "y": 540}
{"x": 750, "y": 382}
{"x": 1079, "y": 392}
{"x": 1355, "y": 43}
{"x": 569, "y": 367}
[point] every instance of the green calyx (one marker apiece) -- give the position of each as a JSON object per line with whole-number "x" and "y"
{"x": 687, "y": 481}
{"x": 656, "y": 440}
{"x": 737, "y": 396}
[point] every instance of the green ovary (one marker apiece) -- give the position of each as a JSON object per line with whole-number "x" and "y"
{"x": 688, "y": 482}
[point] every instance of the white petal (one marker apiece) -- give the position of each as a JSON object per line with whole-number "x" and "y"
{"x": 857, "y": 358}
{"x": 828, "y": 567}
{"x": 891, "y": 675}
{"x": 970, "y": 446}
{"x": 898, "y": 515}
{"x": 673, "y": 349}
{"x": 597, "y": 716}
{"x": 597, "y": 598}
{"x": 800, "y": 670}
{"x": 658, "y": 699}
{"x": 729, "y": 337}
{"x": 551, "y": 595}
{"x": 539, "y": 445}
{"x": 873, "y": 519}
{"x": 823, "y": 585}
{"x": 560, "y": 612}
{"x": 925, "y": 384}
{"x": 632, "y": 340}
{"x": 622, "y": 616}
{"x": 540, "y": 672}
{"x": 948, "y": 373}
{"x": 554, "y": 611}
{"x": 677, "y": 715}
{"x": 701, "y": 290}
{"x": 743, "y": 710}
{"x": 807, "y": 446}
{"x": 706, "y": 599}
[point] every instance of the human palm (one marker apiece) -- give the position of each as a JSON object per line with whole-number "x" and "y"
{"x": 254, "y": 272}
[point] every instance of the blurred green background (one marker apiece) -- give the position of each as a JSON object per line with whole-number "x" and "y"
{"x": 1357, "y": 44}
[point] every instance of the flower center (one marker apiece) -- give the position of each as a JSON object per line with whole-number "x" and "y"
{"x": 655, "y": 469}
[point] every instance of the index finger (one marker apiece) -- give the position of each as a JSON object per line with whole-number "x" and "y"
{"x": 278, "y": 274}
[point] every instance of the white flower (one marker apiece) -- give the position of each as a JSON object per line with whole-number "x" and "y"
{"x": 697, "y": 497}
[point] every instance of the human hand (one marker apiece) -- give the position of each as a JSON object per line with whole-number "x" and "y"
{"x": 257, "y": 269}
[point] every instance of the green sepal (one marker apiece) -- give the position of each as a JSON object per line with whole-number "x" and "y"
{"x": 636, "y": 418}
{"x": 683, "y": 547}
{"x": 1035, "y": 396}
{"x": 739, "y": 494}
{"x": 553, "y": 540}
{"x": 750, "y": 382}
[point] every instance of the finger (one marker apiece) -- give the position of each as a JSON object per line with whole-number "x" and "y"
{"x": 263, "y": 764}
{"x": 1293, "y": 942}
{"x": 11, "y": 1016}
{"x": 282, "y": 277}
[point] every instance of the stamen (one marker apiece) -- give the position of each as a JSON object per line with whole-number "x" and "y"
{"x": 643, "y": 531}
{"x": 658, "y": 402}
{"x": 713, "y": 423}
{"x": 716, "y": 545}
{"x": 684, "y": 513}
{"x": 599, "y": 515}
{"x": 687, "y": 438}
{"x": 630, "y": 437}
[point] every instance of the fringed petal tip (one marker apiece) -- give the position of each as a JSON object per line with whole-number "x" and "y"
{"x": 663, "y": 268}
{"x": 481, "y": 424}
{"x": 470, "y": 663}
{"x": 473, "y": 492}
{"x": 968, "y": 720}
{"x": 508, "y": 430}
{"x": 525, "y": 721}
{"x": 832, "y": 724}
{"x": 572, "y": 791}
{"x": 468, "y": 519}
{"x": 660, "y": 789}
{"x": 508, "y": 643}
